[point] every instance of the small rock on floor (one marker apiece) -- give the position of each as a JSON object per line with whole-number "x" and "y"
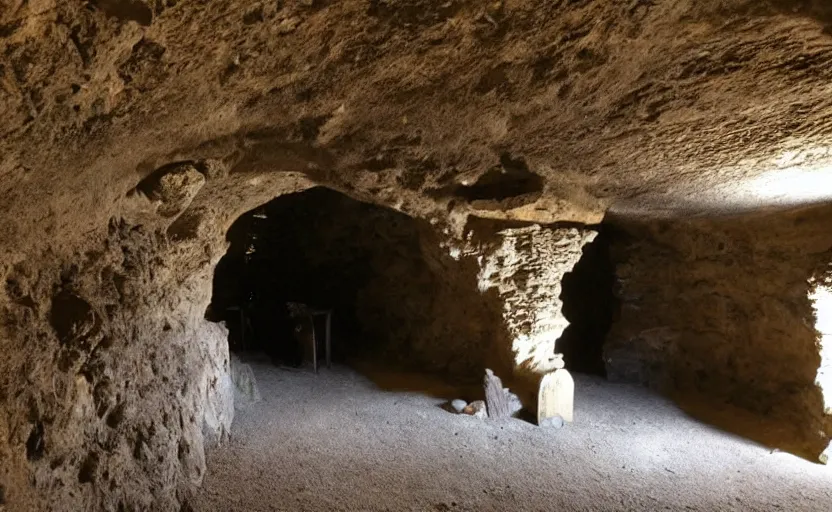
{"x": 553, "y": 422}
{"x": 476, "y": 409}
{"x": 458, "y": 405}
{"x": 514, "y": 403}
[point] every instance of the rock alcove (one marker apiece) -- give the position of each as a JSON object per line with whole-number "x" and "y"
{"x": 590, "y": 305}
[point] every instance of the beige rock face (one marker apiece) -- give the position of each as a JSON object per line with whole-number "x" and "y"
{"x": 114, "y": 383}
{"x": 721, "y": 309}
{"x": 112, "y": 379}
{"x": 526, "y": 268}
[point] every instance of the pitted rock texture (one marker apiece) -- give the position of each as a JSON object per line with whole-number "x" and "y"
{"x": 562, "y": 108}
{"x": 115, "y": 383}
{"x": 121, "y": 321}
{"x": 112, "y": 381}
{"x": 526, "y": 268}
{"x": 491, "y": 300}
{"x": 721, "y": 309}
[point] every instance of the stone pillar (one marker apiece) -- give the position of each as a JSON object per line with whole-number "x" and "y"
{"x": 525, "y": 267}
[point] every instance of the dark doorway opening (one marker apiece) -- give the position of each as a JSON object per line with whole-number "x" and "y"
{"x": 589, "y": 304}
{"x": 318, "y": 248}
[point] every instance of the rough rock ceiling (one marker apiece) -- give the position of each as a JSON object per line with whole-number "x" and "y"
{"x": 542, "y": 110}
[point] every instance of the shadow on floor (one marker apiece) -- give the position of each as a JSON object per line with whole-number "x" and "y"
{"x": 397, "y": 380}
{"x": 771, "y": 433}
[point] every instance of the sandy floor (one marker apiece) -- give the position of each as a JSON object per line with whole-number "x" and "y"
{"x": 337, "y": 442}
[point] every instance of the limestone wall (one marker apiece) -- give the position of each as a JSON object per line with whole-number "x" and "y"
{"x": 112, "y": 383}
{"x": 428, "y": 313}
{"x": 718, "y": 313}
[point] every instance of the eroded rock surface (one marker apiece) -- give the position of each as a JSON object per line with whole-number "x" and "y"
{"x": 721, "y": 308}
{"x": 526, "y": 268}
{"x": 113, "y": 382}
{"x": 544, "y": 111}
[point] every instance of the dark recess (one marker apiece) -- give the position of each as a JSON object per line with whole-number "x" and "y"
{"x": 126, "y": 10}
{"x": 35, "y": 444}
{"x": 317, "y": 247}
{"x": 590, "y": 306}
{"x": 512, "y": 178}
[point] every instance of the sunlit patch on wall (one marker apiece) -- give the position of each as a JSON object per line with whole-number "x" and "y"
{"x": 792, "y": 186}
{"x": 821, "y": 297}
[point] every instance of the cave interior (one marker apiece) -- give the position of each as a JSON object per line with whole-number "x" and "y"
{"x": 638, "y": 191}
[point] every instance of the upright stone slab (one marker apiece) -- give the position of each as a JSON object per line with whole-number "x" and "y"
{"x": 496, "y": 397}
{"x": 556, "y": 396}
{"x": 246, "y": 391}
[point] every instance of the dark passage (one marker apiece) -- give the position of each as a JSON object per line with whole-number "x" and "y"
{"x": 319, "y": 248}
{"x": 590, "y": 305}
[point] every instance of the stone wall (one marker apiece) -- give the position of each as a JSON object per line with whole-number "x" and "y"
{"x": 428, "y": 313}
{"x": 718, "y": 313}
{"x": 112, "y": 382}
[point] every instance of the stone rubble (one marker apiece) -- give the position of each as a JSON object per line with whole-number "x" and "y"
{"x": 555, "y": 421}
{"x": 476, "y": 409}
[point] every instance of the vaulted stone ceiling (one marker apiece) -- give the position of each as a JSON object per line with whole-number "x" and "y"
{"x": 541, "y": 110}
